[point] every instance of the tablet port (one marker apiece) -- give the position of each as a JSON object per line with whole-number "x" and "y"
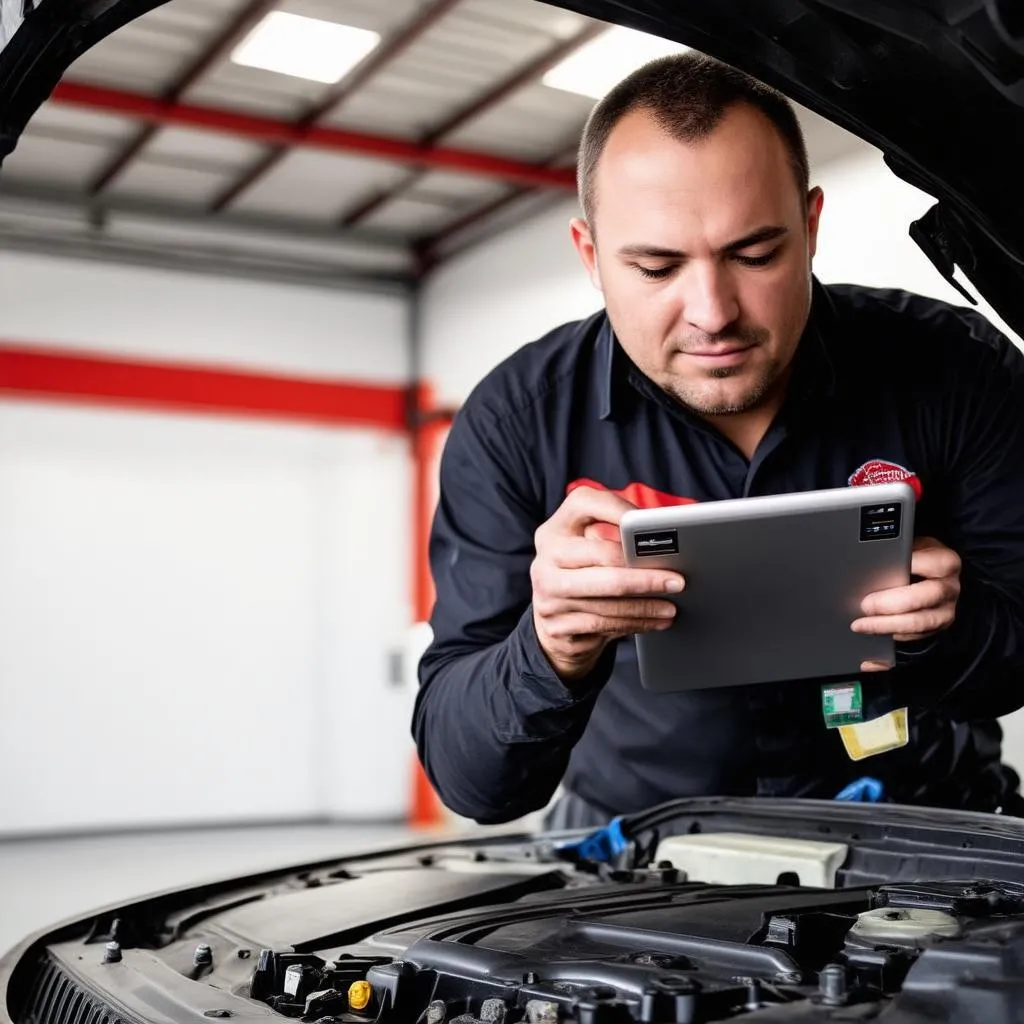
{"x": 880, "y": 522}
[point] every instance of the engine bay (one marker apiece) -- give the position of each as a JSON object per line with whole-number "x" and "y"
{"x": 753, "y": 925}
{"x": 655, "y": 947}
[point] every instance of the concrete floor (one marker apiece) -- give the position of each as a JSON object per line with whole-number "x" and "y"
{"x": 47, "y": 880}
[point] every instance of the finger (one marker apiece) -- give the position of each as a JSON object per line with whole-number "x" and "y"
{"x": 609, "y": 581}
{"x": 611, "y": 608}
{"x": 875, "y": 666}
{"x": 579, "y": 629}
{"x": 650, "y": 608}
{"x": 604, "y": 531}
{"x": 919, "y": 624}
{"x": 934, "y": 562}
{"x": 581, "y": 553}
{"x": 587, "y": 505}
{"x": 914, "y": 597}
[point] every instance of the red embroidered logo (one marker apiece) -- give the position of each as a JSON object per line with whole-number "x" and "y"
{"x": 638, "y": 494}
{"x": 878, "y": 471}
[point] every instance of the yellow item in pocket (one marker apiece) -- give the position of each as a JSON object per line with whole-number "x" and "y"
{"x": 866, "y": 739}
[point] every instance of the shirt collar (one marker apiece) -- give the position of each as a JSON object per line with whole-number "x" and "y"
{"x": 814, "y": 373}
{"x": 605, "y": 364}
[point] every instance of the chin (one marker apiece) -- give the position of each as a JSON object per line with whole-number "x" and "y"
{"x": 722, "y": 397}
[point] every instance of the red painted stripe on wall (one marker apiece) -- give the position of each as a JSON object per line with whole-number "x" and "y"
{"x": 31, "y": 372}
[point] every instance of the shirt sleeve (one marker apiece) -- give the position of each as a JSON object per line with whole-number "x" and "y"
{"x": 493, "y": 723}
{"x": 976, "y": 668}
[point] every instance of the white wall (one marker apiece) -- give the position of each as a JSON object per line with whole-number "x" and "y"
{"x": 486, "y": 303}
{"x": 160, "y": 314}
{"x": 498, "y": 296}
{"x": 193, "y": 626}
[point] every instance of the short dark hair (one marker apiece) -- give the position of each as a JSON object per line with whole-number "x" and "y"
{"x": 687, "y": 94}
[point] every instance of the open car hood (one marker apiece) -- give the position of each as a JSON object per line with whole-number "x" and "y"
{"x": 936, "y": 85}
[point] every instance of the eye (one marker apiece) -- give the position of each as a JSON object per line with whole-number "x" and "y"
{"x": 654, "y": 273}
{"x": 758, "y": 261}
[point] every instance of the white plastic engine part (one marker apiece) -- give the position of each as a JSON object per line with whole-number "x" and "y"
{"x": 892, "y": 924}
{"x": 726, "y": 858}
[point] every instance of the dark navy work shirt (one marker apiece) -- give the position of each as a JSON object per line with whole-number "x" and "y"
{"x": 885, "y": 385}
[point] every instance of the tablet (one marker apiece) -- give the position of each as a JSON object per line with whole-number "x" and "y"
{"x": 772, "y": 584}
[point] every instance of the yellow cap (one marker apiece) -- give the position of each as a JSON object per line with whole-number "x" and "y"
{"x": 359, "y": 995}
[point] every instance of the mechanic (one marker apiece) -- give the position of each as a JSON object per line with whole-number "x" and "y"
{"x": 720, "y": 367}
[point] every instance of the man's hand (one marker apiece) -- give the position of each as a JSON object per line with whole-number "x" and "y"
{"x": 918, "y": 611}
{"x": 583, "y": 594}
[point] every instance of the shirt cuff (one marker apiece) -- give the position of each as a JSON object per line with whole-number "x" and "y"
{"x": 548, "y": 691}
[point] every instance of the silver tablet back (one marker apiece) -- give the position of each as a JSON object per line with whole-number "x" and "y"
{"x": 772, "y": 583}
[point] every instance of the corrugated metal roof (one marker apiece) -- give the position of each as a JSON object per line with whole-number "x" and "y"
{"x": 535, "y": 124}
{"x": 64, "y": 161}
{"x": 318, "y": 186}
{"x": 191, "y": 185}
{"x": 149, "y": 53}
{"x": 411, "y": 216}
{"x": 437, "y": 60}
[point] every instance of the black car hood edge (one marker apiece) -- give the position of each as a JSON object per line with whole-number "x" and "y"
{"x": 936, "y": 85}
{"x": 52, "y": 36}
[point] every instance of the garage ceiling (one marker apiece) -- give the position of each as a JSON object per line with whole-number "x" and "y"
{"x": 157, "y": 147}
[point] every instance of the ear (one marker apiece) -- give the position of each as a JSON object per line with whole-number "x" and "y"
{"x": 583, "y": 239}
{"x": 815, "y": 200}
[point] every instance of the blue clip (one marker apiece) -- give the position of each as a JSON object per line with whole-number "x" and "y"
{"x": 602, "y": 846}
{"x": 866, "y": 790}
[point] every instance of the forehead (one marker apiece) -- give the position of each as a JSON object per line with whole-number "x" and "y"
{"x": 740, "y": 170}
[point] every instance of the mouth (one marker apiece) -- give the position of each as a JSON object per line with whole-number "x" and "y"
{"x": 721, "y": 355}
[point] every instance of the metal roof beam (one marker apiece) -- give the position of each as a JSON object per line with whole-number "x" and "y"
{"x": 218, "y": 50}
{"x": 316, "y": 137}
{"x": 505, "y": 89}
{"x": 27, "y": 199}
{"x": 381, "y": 58}
{"x": 429, "y": 250}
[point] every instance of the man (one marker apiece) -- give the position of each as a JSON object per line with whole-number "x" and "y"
{"x": 720, "y": 368}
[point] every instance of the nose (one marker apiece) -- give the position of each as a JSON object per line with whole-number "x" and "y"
{"x": 709, "y": 297}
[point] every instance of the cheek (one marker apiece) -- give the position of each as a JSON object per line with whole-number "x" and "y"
{"x": 635, "y": 300}
{"x": 776, "y": 300}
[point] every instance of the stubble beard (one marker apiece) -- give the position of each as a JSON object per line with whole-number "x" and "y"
{"x": 693, "y": 397}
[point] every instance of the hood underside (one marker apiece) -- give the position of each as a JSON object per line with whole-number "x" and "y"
{"x": 936, "y": 85}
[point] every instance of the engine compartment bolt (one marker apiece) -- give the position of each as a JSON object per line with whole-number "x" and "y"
{"x": 832, "y": 985}
{"x": 753, "y": 994}
{"x": 203, "y": 955}
{"x": 112, "y": 953}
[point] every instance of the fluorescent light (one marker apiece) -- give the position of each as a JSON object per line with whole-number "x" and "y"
{"x": 290, "y": 44}
{"x": 603, "y": 62}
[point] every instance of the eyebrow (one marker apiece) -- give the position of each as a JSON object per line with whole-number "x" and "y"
{"x": 766, "y": 234}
